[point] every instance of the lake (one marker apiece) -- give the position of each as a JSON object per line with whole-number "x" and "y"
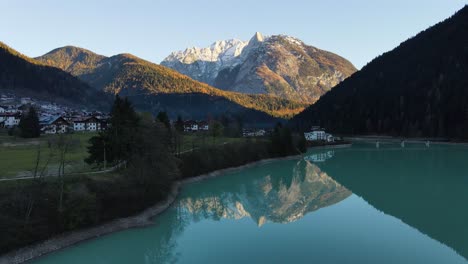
{"x": 353, "y": 205}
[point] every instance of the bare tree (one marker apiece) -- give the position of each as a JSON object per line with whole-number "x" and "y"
{"x": 37, "y": 184}
{"x": 177, "y": 138}
{"x": 62, "y": 146}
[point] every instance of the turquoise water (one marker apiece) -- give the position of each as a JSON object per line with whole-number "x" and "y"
{"x": 354, "y": 205}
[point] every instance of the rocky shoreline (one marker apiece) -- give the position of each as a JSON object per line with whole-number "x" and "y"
{"x": 138, "y": 221}
{"x": 144, "y": 218}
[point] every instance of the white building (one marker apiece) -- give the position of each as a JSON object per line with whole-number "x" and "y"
{"x": 50, "y": 107}
{"x": 88, "y": 124}
{"x": 55, "y": 125}
{"x": 9, "y": 120}
{"x": 9, "y": 110}
{"x": 260, "y": 133}
{"x": 79, "y": 125}
{"x": 203, "y": 125}
{"x": 26, "y": 100}
{"x": 246, "y": 132}
{"x": 318, "y": 135}
{"x": 190, "y": 125}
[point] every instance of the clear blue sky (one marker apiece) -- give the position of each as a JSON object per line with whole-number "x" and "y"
{"x": 359, "y": 30}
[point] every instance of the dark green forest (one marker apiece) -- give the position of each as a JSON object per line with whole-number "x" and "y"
{"x": 149, "y": 163}
{"x": 419, "y": 89}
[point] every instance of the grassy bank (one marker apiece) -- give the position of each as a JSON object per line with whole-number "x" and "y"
{"x": 18, "y": 155}
{"x": 205, "y": 160}
{"x": 203, "y": 140}
{"x": 90, "y": 200}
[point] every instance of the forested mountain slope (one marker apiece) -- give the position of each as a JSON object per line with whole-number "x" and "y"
{"x": 418, "y": 89}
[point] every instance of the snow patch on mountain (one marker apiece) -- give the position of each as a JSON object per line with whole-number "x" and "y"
{"x": 204, "y": 64}
{"x": 224, "y": 52}
{"x": 280, "y": 65}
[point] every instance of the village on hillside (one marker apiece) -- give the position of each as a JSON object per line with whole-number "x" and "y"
{"x": 59, "y": 119}
{"x": 53, "y": 118}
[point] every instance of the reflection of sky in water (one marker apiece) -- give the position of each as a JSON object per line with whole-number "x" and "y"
{"x": 299, "y": 211}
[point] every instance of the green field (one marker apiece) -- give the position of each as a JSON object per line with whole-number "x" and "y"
{"x": 200, "y": 140}
{"x": 18, "y": 156}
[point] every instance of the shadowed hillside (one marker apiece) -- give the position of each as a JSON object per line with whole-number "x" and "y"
{"x": 26, "y": 76}
{"x": 418, "y": 89}
{"x": 131, "y": 76}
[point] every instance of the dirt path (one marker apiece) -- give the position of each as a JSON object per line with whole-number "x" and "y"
{"x": 67, "y": 174}
{"x": 192, "y": 149}
{"x": 141, "y": 220}
{"x": 34, "y": 143}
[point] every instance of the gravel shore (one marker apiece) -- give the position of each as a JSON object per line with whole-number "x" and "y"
{"x": 138, "y": 221}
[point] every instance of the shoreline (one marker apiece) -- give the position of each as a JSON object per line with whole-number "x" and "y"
{"x": 438, "y": 141}
{"x": 139, "y": 220}
{"x": 336, "y": 146}
{"x": 145, "y": 217}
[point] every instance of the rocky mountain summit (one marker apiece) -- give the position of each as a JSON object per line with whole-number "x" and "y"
{"x": 155, "y": 88}
{"x": 278, "y": 65}
{"x": 205, "y": 63}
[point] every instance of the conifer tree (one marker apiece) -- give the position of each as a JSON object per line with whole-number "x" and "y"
{"x": 118, "y": 140}
{"x": 179, "y": 124}
{"x": 163, "y": 118}
{"x": 29, "y": 124}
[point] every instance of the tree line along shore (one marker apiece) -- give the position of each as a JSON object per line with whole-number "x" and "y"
{"x": 152, "y": 155}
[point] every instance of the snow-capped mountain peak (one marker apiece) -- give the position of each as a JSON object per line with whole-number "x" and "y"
{"x": 280, "y": 65}
{"x": 203, "y": 64}
{"x": 223, "y": 50}
{"x": 258, "y": 37}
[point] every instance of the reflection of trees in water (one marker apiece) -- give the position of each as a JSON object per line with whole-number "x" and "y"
{"x": 273, "y": 197}
{"x": 425, "y": 188}
{"x": 163, "y": 250}
{"x": 280, "y": 194}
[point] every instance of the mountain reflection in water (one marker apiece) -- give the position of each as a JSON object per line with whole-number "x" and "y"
{"x": 424, "y": 187}
{"x": 284, "y": 193}
{"x": 277, "y": 197}
{"x": 303, "y": 211}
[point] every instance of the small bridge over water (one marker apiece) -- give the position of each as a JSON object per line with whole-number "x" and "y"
{"x": 379, "y": 142}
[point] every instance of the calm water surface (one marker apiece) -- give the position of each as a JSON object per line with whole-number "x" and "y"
{"x": 354, "y": 205}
